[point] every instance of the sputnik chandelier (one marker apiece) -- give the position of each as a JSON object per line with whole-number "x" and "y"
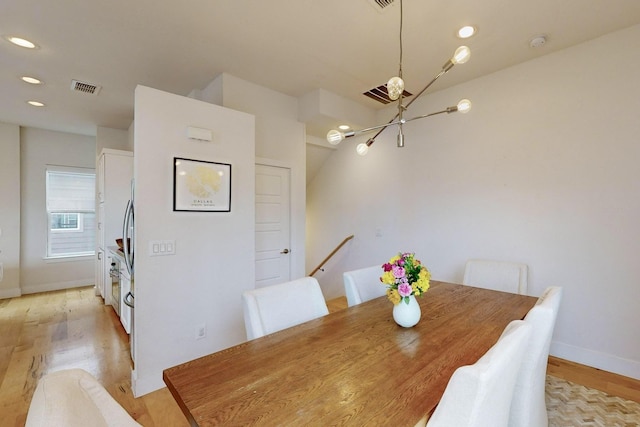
{"x": 395, "y": 91}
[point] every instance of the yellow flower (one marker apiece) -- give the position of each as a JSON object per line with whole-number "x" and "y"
{"x": 393, "y": 296}
{"x": 387, "y": 278}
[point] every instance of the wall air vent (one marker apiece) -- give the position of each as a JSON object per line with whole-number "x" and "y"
{"x": 380, "y": 94}
{"x": 84, "y": 87}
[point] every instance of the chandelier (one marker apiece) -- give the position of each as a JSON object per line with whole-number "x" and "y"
{"x": 395, "y": 91}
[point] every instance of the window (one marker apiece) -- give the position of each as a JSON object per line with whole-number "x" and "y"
{"x": 70, "y": 212}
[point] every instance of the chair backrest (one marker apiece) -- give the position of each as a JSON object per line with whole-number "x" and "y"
{"x": 496, "y": 275}
{"x": 74, "y": 398}
{"x": 528, "y": 408}
{"x": 479, "y": 395}
{"x": 273, "y": 308}
{"x": 363, "y": 285}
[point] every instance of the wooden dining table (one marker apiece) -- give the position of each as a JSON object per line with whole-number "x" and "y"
{"x": 355, "y": 366}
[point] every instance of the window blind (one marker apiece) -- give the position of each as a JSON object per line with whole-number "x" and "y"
{"x": 70, "y": 191}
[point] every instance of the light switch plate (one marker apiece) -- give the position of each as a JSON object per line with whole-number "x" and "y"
{"x": 162, "y": 247}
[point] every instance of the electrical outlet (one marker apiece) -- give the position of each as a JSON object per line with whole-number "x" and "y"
{"x": 201, "y": 331}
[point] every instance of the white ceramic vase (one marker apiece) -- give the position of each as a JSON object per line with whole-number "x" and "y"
{"x": 407, "y": 315}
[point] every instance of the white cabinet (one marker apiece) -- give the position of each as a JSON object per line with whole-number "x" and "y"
{"x": 101, "y": 286}
{"x": 114, "y": 172}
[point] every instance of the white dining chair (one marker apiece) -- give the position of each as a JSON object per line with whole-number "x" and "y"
{"x": 479, "y": 395}
{"x": 273, "y": 308}
{"x": 74, "y": 398}
{"x": 496, "y": 275}
{"x": 363, "y": 285}
{"x": 528, "y": 408}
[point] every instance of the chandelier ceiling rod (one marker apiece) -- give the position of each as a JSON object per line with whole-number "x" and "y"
{"x": 395, "y": 91}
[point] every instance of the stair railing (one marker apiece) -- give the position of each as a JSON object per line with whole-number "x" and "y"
{"x": 324, "y": 261}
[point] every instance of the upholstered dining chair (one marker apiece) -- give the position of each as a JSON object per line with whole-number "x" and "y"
{"x": 528, "y": 408}
{"x": 273, "y": 308}
{"x": 74, "y": 398}
{"x": 496, "y": 275}
{"x": 363, "y": 284}
{"x": 479, "y": 395}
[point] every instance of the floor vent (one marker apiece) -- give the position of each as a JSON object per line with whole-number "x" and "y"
{"x": 84, "y": 87}
{"x": 380, "y": 94}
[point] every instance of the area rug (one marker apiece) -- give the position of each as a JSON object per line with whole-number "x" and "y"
{"x": 570, "y": 404}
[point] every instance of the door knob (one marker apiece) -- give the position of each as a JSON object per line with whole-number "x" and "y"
{"x": 285, "y": 251}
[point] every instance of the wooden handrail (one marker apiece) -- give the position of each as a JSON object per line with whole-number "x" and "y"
{"x": 324, "y": 261}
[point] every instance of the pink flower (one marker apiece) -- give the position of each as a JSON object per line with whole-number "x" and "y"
{"x": 386, "y": 267}
{"x": 398, "y": 272}
{"x": 404, "y": 289}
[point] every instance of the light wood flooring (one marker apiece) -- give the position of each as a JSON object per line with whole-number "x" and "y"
{"x": 46, "y": 332}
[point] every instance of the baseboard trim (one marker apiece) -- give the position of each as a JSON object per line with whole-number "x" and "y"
{"x": 10, "y": 293}
{"x": 48, "y": 287}
{"x": 595, "y": 359}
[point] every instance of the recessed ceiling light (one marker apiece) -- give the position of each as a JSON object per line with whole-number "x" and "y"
{"x": 344, "y": 127}
{"x": 31, "y": 80}
{"x": 466, "y": 31}
{"x": 22, "y": 42}
{"x": 35, "y": 103}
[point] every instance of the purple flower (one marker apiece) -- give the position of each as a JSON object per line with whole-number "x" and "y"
{"x": 404, "y": 289}
{"x": 398, "y": 272}
{"x": 386, "y": 267}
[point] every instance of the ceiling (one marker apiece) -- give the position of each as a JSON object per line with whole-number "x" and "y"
{"x": 291, "y": 46}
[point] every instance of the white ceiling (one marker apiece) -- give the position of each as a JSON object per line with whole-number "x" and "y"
{"x": 292, "y": 46}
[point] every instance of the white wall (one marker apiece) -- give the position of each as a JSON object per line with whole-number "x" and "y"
{"x": 9, "y": 210}
{"x": 40, "y": 148}
{"x": 214, "y": 259}
{"x": 280, "y": 141}
{"x": 543, "y": 170}
{"x": 116, "y": 139}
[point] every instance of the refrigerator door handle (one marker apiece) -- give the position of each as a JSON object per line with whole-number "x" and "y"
{"x": 125, "y": 237}
{"x": 128, "y": 301}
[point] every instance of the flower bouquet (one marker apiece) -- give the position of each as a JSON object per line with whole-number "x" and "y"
{"x": 404, "y": 275}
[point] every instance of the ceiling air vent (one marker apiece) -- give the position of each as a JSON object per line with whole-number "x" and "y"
{"x": 380, "y": 94}
{"x": 381, "y": 4}
{"x": 84, "y": 87}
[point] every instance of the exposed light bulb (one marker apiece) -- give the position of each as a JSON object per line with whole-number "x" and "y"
{"x": 335, "y": 137}
{"x": 461, "y": 55}
{"x": 362, "y": 149}
{"x": 464, "y": 106}
{"x": 395, "y": 87}
{"x": 35, "y": 103}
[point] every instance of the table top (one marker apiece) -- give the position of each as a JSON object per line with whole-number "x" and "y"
{"x": 352, "y": 367}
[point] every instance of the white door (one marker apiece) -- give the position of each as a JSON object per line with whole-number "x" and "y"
{"x": 273, "y": 259}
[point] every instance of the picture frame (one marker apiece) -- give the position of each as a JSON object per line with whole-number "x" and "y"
{"x": 201, "y": 186}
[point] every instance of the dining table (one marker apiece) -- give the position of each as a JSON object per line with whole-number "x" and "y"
{"x": 354, "y": 366}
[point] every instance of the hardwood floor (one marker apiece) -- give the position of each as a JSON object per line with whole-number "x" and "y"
{"x": 50, "y": 331}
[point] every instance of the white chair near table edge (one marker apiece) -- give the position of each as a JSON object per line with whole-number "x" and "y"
{"x": 363, "y": 285}
{"x": 479, "y": 395}
{"x": 496, "y": 275}
{"x": 74, "y": 398}
{"x": 528, "y": 408}
{"x": 276, "y": 307}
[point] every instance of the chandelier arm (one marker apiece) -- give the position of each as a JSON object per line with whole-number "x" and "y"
{"x": 394, "y": 122}
{"x": 447, "y": 110}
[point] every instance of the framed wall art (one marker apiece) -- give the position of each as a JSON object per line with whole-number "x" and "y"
{"x": 201, "y": 186}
